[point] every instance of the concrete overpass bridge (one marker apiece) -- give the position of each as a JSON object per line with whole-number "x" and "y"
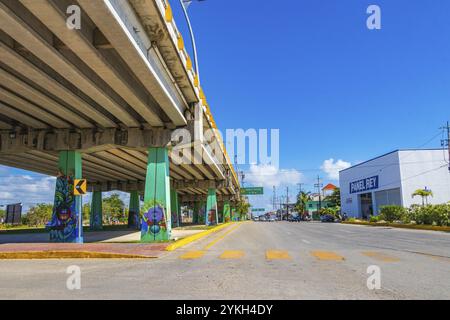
{"x": 106, "y": 102}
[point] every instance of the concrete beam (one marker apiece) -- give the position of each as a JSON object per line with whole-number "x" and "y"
{"x": 203, "y": 184}
{"x": 50, "y": 14}
{"x": 118, "y": 22}
{"x": 86, "y": 140}
{"x": 37, "y": 41}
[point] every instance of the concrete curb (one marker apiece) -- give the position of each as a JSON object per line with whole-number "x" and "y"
{"x": 181, "y": 243}
{"x": 68, "y": 255}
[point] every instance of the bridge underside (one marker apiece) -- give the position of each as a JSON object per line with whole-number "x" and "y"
{"x": 107, "y": 98}
{"x": 123, "y": 170}
{"x": 56, "y": 79}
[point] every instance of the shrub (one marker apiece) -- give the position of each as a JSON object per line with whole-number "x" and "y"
{"x": 374, "y": 219}
{"x": 392, "y": 213}
{"x": 431, "y": 214}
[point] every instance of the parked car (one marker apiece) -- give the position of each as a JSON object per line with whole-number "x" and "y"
{"x": 328, "y": 218}
{"x": 272, "y": 219}
{"x": 262, "y": 218}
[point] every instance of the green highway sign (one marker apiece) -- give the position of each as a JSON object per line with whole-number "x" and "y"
{"x": 252, "y": 191}
{"x": 258, "y": 210}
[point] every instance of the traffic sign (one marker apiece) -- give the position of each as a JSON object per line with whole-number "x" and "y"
{"x": 252, "y": 191}
{"x": 79, "y": 187}
{"x": 258, "y": 210}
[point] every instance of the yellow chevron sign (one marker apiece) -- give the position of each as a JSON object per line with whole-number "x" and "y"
{"x": 79, "y": 187}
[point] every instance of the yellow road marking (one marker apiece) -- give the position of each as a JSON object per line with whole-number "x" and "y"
{"x": 232, "y": 254}
{"x": 327, "y": 255}
{"x": 195, "y": 237}
{"x": 191, "y": 255}
{"x": 380, "y": 256}
{"x": 277, "y": 255}
{"x": 209, "y": 245}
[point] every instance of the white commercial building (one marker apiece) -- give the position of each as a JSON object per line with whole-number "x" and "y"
{"x": 391, "y": 179}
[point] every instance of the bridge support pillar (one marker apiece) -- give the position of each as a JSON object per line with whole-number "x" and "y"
{"x": 196, "y": 212}
{"x": 156, "y": 219}
{"x": 96, "y": 217}
{"x": 175, "y": 208}
{"x": 66, "y": 224}
{"x": 234, "y": 216}
{"x": 134, "y": 211}
{"x": 226, "y": 212}
{"x": 211, "y": 217}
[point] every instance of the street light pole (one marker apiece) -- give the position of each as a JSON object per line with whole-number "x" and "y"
{"x": 184, "y": 5}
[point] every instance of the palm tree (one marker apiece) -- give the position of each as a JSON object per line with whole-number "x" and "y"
{"x": 302, "y": 199}
{"x": 424, "y": 193}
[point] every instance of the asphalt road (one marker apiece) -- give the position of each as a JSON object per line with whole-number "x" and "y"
{"x": 261, "y": 260}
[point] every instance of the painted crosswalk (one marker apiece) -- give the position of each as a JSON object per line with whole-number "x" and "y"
{"x": 277, "y": 254}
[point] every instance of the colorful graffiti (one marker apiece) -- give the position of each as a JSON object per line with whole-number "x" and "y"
{"x": 64, "y": 224}
{"x": 201, "y": 213}
{"x": 154, "y": 223}
{"x": 212, "y": 214}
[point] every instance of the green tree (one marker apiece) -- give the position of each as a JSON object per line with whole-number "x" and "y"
{"x": 335, "y": 198}
{"x": 302, "y": 200}
{"x": 424, "y": 194}
{"x": 2, "y": 214}
{"x": 86, "y": 213}
{"x": 39, "y": 215}
{"x": 113, "y": 209}
{"x": 243, "y": 207}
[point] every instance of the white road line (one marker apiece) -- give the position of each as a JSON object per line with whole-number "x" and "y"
{"x": 306, "y": 241}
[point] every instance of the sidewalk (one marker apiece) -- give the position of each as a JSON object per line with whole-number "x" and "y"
{"x": 99, "y": 244}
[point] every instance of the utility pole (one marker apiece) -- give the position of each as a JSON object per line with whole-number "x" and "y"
{"x": 274, "y": 198}
{"x": 287, "y": 202}
{"x": 446, "y": 142}
{"x": 319, "y": 185}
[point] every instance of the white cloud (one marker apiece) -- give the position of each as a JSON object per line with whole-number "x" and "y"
{"x": 25, "y": 188}
{"x": 269, "y": 176}
{"x": 332, "y": 168}
{"x": 31, "y": 189}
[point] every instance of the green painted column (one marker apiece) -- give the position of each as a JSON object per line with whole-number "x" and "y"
{"x": 134, "y": 211}
{"x": 233, "y": 214}
{"x": 66, "y": 223}
{"x": 156, "y": 218}
{"x": 195, "y": 218}
{"x": 175, "y": 208}
{"x": 202, "y": 212}
{"x": 96, "y": 217}
{"x": 211, "y": 217}
{"x": 226, "y": 212}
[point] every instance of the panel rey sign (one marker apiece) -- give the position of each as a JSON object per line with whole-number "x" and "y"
{"x": 364, "y": 185}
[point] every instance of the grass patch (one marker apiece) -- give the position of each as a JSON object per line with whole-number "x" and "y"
{"x": 67, "y": 255}
{"x": 402, "y": 226}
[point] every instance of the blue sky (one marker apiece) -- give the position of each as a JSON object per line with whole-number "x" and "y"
{"x": 312, "y": 69}
{"x": 334, "y": 88}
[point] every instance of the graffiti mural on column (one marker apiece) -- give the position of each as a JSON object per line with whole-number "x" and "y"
{"x": 202, "y": 213}
{"x": 154, "y": 225}
{"x": 63, "y": 226}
